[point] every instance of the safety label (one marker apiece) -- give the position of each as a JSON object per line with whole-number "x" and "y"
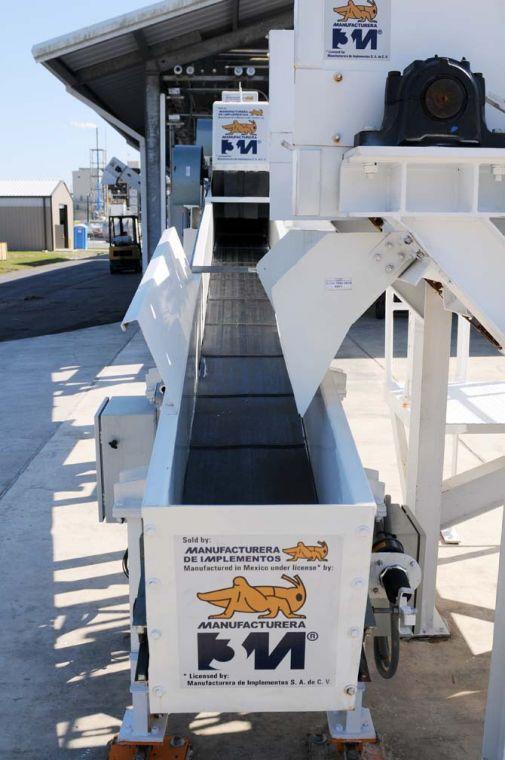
{"x": 338, "y": 283}
{"x": 257, "y": 612}
{"x": 358, "y": 30}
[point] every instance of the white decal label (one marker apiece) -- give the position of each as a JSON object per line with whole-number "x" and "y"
{"x": 358, "y": 29}
{"x": 338, "y": 283}
{"x": 240, "y": 132}
{"x": 255, "y": 612}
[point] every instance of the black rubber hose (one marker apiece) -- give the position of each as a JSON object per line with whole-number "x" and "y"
{"x": 126, "y": 570}
{"x": 386, "y": 654}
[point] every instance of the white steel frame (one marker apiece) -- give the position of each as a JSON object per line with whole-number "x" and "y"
{"x": 420, "y": 418}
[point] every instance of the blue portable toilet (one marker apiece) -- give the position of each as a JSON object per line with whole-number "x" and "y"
{"x": 80, "y": 237}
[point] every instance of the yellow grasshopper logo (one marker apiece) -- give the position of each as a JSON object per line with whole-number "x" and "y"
{"x": 353, "y": 12}
{"x": 271, "y": 600}
{"x": 241, "y": 128}
{"x": 310, "y": 553}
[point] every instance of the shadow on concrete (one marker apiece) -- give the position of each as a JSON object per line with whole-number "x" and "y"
{"x": 366, "y": 336}
{"x": 65, "y": 640}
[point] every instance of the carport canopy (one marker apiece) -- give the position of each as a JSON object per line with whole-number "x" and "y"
{"x": 105, "y": 64}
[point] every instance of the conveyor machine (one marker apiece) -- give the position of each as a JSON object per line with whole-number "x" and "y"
{"x": 250, "y": 527}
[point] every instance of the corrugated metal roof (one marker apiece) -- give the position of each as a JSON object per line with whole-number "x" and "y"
{"x": 28, "y": 188}
{"x": 119, "y": 25}
{"x": 104, "y": 64}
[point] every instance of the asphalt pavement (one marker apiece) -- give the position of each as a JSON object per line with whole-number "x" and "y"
{"x": 63, "y": 297}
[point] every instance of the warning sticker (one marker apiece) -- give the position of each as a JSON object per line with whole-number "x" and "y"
{"x": 338, "y": 283}
{"x": 257, "y": 612}
{"x": 358, "y": 30}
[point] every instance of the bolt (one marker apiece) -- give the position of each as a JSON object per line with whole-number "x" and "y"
{"x": 389, "y": 244}
{"x": 177, "y": 741}
{"x": 363, "y": 530}
{"x": 153, "y": 582}
{"x": 350, "y": 690}
{"x": 338, "y": 77}
{"x": 149, "y": 530}
{"x": 358, "y": 583}
{"x": 339, "y": 728}
{"x": 379, "y": 563}
{"x": 408, "y": 240}
{"x": 156, "y": 634}
{"x": 401, "y": 255}
{"x": 375, "y": 590}
{"x": 354, "y": 632}
{"x": 389, "y": 268}
{"x": 412, "y": 563}
{"x": 364, "y": 726}
{"x": 158, "y": 691}
{"x": 378, "y": 257}
{"x": 337, "y": 138}
{"x": 155, "y": 730}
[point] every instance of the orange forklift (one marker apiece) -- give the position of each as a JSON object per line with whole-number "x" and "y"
{"x": 125, "y": 252}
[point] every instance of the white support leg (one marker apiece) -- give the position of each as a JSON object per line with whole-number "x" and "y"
{"x": 401, "y": 448}
{"x": 494, "y": 727}
{"x": 450, "y": 535}
{"x": 353, "y": 725}
{"x": 389, "y": 335}
{"x": 430, "y": 377}
{"x": 138, "y": 725}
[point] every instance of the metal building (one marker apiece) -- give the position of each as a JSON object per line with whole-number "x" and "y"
{"x": 36, "y": 215}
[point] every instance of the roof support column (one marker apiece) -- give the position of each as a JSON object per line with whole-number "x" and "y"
{"x": 152, "y": 168}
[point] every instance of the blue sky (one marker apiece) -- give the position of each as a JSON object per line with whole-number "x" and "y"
{"x": 38, "y": 139}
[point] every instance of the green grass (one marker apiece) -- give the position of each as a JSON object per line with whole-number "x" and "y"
{"x": 24, "y": 260}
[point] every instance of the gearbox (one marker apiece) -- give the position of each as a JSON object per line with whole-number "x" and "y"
{"x": 437, "y": 102}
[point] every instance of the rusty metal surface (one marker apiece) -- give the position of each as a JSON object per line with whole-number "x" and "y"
{"x": 168, "y": 750}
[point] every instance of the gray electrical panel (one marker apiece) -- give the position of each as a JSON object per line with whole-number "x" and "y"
{"x": 187, "y": 175}
{"x": 125, "y": 428}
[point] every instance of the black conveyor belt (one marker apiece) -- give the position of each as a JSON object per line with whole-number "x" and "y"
{"x": 247, "y": 444}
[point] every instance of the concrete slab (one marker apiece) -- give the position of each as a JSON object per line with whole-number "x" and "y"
{"x": 64, "y": 674}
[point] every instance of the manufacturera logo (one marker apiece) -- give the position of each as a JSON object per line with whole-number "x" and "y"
{"x": 268, "y": 600}
{"x": 301, "y": 552}
{"x": 353, "y": 12}
{"x": 248, "y": 128}
{"x": 356, "y": 29}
